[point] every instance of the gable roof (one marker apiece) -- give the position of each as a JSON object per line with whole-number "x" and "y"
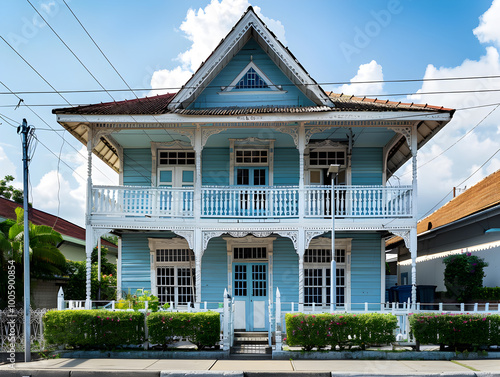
{"x": 249, "y": 26}
{"x": 483, "y": 195}
{"x": 37, "y": 217}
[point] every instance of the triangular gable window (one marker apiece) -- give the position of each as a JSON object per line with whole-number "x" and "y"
{"x": 251, "y": 79}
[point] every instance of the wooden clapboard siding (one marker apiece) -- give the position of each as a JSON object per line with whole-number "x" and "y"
{"x": 286, "y": 272}
{"x": 251, "y": 51}
{"x": 214, "y": 272}
{"x": 367, "y": 166}
{"x": 215, "y": 167}
{"x": 365, "y": 269}
{"x": 137, "y": 167}
{"x": 286, "y": 167}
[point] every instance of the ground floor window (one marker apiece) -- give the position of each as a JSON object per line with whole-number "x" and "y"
{"x": 175, "y": 276}
{"x": 317, "y": 277}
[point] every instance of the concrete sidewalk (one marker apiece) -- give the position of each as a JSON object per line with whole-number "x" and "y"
{"x": 262, "y": 368}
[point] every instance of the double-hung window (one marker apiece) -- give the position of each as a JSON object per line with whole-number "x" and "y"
{"x": 317, "y": 276}
{"x": 175, "y": 276}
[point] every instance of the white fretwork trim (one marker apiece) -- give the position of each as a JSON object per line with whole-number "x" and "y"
{"x": 404, "y": 234}
{"x": 188, "y": 235}
{"x": 293, "y": 131}
{"x": 207, "y": 236}
{"x": 259, "y": 234}
{"x": 314, "y": 130}
{"x": 207, "y": 132}
{"x": 292, "y": 234}
{"x": 405, "y": 131}
{"x": 189, "y": 133}
{"x": 99, "y": 232}
{"x": 310, "y": 234}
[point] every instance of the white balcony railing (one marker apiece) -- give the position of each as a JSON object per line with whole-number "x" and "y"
{"x": 250, "y": 202}
{"x": 358, "y": 201}
{"x": 254, "y": 202}
{"x": 142, "y": 201}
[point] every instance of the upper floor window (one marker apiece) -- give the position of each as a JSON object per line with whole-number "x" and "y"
{"x": 327, "y": 158}
{"x": 251, "y": 157}
{"x": 251, "y": 80}
{"x": 176, "y": 157}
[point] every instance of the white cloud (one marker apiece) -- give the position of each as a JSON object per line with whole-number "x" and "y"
{"x": 472, "y": 136}
{"x": 489, "y": 25}
{"x": 59, "y": 196}
{"x": 171, "y": 80}
{"x": 7, "y": 167}
{"x": 367, "y": 72}
{"x": 218, "y": 18}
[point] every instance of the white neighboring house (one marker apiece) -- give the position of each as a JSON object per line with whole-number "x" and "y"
{"x": 469, "y": 223}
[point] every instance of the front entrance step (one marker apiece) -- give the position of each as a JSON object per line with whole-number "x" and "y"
{"x": 249, "y": 345}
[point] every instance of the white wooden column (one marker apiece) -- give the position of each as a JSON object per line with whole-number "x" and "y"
{"x": 119, "y": 271}
{"x": 413, "y": 230}
{"x": 413, "y": 253}
{"x": 89, "y": 233}
{"x": 301, "y": 248}
{"x": 198, "y": 255}
{"x": 198, "y": 147}
{"x": 152, "y": 272}
{"x": 301, "y": 147}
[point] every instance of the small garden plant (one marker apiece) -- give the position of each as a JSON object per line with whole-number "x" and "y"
{"x": 138, "y": 301}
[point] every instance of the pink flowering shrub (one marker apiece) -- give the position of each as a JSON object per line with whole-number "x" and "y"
{"x": 339, "y": 330}
{"x": 93, "y": 329}
{"x": 202, "y": 328}
{"x": 460, "y": 331}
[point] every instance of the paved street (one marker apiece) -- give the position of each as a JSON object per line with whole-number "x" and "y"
{"x": 153, "y": 367}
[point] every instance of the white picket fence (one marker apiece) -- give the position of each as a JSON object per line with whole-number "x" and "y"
{"x": 277, "y": 313}
{"x": 401, "y": 310}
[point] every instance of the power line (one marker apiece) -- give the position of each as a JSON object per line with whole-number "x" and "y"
{"x": 45, "y": 122}
{"x": 100, "y": 50}
{"x": 461, "y": 183}
{"x": 64, "y": 43}
{"x": 372, "y": 95}
{"x": 284, "y": 84}
{"x": 457, "y": 141}
{"x": 78, "y": 174}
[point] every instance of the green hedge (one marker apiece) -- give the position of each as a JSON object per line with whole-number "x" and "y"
{"x": 488, "y": 293}
{"x": 99, "y": 329}
{"x": 202, "y": 329}
{"x": 460, "y": 331}
{"x": 339, "y": 330}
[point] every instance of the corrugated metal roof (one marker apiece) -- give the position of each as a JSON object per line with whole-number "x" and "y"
{"x": 347, "y": 102}
{"x": 484, "y": 194}
{"x": 141, "y": 106}
{"x": 158, "y": 105}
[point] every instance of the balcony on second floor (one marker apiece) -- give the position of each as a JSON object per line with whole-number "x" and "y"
{"x": 253, "y": 202}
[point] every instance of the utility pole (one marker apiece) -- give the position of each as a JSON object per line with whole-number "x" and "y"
{"x": 25, "y": 131}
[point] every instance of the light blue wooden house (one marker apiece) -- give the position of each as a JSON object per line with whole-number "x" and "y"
{"x": 226, "y": 185}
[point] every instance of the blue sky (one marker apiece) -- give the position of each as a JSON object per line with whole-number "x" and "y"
{"x": 335, "y": 41}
